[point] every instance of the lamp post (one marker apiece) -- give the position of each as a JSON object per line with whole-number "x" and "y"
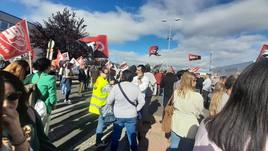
{"x": 169, "y": 33}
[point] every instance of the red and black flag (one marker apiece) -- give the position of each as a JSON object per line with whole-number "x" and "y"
{"x": 192, "y": 57}
{"x": 153, "y": 50}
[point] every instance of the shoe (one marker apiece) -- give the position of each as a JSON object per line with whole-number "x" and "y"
{"x": 100, "y": 145}
{"x": 69, "y": 102}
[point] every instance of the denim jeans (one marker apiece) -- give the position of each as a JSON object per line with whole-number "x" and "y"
{"x": 175, "y": 141}
{"x": 130, "y": 125}
{"x": 100, "y": 125}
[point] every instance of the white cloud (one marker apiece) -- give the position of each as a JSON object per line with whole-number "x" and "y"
{"x": 231, "y": 31}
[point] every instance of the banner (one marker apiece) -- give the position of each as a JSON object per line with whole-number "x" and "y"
{"x": 263, "y": 52}
{"x": 100, "y": 45}
{"x": 65, "y": 56}
{"x": 192, "y": 57}
{"x": 153, "y": 50}
{"x": 194, "y": 69}
{"x": 15, "y": 41}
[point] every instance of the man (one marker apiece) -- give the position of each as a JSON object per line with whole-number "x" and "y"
{"x": 143, "y": 83}
{"x": 152, "y": 90}
{"x": 82, "y": 78}
{"x": 206, "y": 90}
{"x": 97, "y": 101}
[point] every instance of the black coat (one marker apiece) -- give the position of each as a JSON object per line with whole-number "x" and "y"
{"x": 167, "y": 83}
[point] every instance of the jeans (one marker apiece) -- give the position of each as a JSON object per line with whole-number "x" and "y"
{"x": 100, "y": 126}
{"x": 130, "y": 125}
{"x": 175, "y": 141}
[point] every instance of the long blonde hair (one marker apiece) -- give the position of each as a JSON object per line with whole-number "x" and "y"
{"x": 19, "y": 68}
{"x": 186, "y": 83}
{"x": 216, "y": 97}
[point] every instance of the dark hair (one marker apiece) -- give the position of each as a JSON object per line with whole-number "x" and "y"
{"x": 143, "y": 69}
{"x": 42, "y": 64}
{"x": 180, "y": 73}
{"x": 18, "y": 86}
{"x": 127, "y": 75}
{"x": 243, "y": 120}
{"x": 147, "y": 68}
{"x": 230, "y": 82}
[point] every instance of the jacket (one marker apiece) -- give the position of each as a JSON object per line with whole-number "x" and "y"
{"x": 46, "y": 85}
{"x": 99, "y": 95}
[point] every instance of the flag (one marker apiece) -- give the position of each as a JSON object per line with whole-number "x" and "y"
{"x": 153, "y": 50}
{"x": 15, "y": 41}
{"x": 100, "y": 45}
{"x": 192, "y": 57}
{"x": 263, "y": 52}
{"x": 59, "y": 58}
{"x": 194, "y": 69}
{"x": 65, "y": 56}
{"x": 123, "y": 66}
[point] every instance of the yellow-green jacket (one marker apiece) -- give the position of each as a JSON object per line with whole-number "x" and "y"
{"x": 99, "y": 95}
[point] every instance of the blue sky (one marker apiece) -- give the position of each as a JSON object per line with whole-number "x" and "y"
{"x": 230, "y": 29}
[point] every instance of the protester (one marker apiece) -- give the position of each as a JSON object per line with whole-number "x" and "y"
{"x": 206, "y": 90}
{"x": 142, "y": 82}
{"x": 158, "y": 76}
{"x": 82, "y": 78}
{"x": 10, "y": 123}
{"x": 216, "y": 99}
{"x": 98, "y": 100}
{"x": 46, "y": 88}
{"x": 29, "y": 120}
{"x": 188, "y": 105}
{"x": 199, "y": 83}
{"x": 167, "y": 84}
{"x": 242, "y": 124}
{"x": 19, "y": 68}
{"x": 125, "y": 109}
{"x": 67, "y": 82}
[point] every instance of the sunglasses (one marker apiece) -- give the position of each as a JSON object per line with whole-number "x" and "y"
{"x": 12, "y": 96}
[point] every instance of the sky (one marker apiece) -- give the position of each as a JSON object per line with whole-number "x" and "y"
{"x": 233, "y": 31}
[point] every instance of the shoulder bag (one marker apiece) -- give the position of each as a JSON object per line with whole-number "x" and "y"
{"x": 168, "y": 112}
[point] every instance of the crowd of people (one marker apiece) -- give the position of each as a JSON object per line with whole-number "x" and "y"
{"x": 208, "y": 113}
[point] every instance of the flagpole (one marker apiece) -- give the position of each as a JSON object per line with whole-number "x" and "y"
{"x": 29, "y": 51}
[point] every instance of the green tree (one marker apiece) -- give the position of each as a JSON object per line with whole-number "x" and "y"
{"x": 65, "y": 28}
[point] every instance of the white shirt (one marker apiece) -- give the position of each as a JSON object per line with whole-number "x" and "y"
{"x": 152, "y": 82}
{"x": 144, "y": 83}
{"x": 207, "y": 85}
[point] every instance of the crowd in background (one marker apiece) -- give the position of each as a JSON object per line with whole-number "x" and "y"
{"x": 209, "y": 113}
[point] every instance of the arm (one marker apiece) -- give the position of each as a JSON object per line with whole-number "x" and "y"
{"x": 144, "y": 83}
{"x": 52, "y": 92}
{"x": 141, "y": 101}
{"x": 111, "y": 97}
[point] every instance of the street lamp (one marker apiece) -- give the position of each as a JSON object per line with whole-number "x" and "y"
{"x": 169, "y": 34}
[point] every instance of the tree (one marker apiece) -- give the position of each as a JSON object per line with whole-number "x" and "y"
{"x": 65, "y": 28}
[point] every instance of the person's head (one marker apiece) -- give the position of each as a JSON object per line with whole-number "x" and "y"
{"x": 180, "y": 73}
{"x": 126, "y": 75}
{"x": 15, "y": 94}
{"x": 140, "y": 70}
{"x": 19, "y": 68}
{"x": 104, "y": 72}
{"x": 187, "y": 83}
{"x": 170, "y": 70}
{"x": 216, "y": 97}
{"x": 43, "y": 65}
{"x": 229, "y": 83}
{"x": 147, "y": 68}
{"x": 243, "y": 120}
{"x": 207, "y": 76}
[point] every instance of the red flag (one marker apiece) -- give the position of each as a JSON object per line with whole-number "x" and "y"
{"x": 194, "y": 69}
{"x": 153, "y": 50}
{"x": 101, "y": 45}
{"x": 15, "y": 41}
{"x": 192, "y": 57}
{"x": 264, "y": 49}
{"x": 59, "y": 58}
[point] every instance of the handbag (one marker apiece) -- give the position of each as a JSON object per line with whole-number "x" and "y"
{"x": 168, "y": 112}
{"x": 108, "y": 114}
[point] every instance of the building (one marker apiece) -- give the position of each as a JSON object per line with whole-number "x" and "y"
{"x": 230, "y": 69}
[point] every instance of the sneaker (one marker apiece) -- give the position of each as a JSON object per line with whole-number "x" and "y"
{"x": 69, "y": 102}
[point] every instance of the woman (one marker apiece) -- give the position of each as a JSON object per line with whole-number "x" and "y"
{"x": 216, "y": 98}
{"x": 46, "y": 88}
{"x": 19, "y": 68}
{"x": 188, "y": 105}
{"x": 125, "y": 111}
{"x": 29, "y": 120}
{"x": 242, "y": 124}
{"x": 67, "y": 82}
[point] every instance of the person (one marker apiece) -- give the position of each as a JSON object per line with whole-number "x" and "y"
{"x": 98, "y": 100}
{"x": 125, "y": 112}
{"x": 217, "y": 96}
{"x": 158, "y": 76}
{"x": 46, "y": 88}
{"x": 206, "y": 90}
{"x": 67, "y": 82}
{"x": 82, "y": 78}
{"x": 168, "y": 85}
{"x": 188, "y": 106}
{"x": 10, "y": 122}
{"x": 143, "y": 83}
{"x": 199, "y": 83}
{"x": 19, "y": 68}
{"x": 15, "y": 107}
{"x": 242, "y": 124}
